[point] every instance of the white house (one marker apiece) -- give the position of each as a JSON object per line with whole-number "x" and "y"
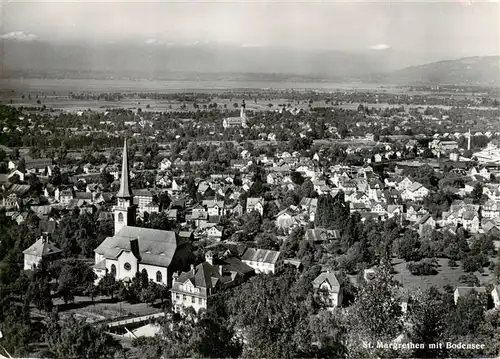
{"x": 255, "y": 204}
{"x": 328, "y": 289}
{"x": 41, "y": 249}
{"x": 263, "y": 260}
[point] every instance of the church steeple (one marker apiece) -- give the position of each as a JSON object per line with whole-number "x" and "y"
{"x": 124, "y": 191}
{"x": 125, "y": 210}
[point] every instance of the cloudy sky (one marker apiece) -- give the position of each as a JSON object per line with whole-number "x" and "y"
{"x": 452, "y": 28}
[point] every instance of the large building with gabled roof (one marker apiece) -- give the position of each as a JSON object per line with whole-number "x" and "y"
{"x": 131, "y": 249}
{"x": 263, "y": 260}
{"x": 42, "y": 249}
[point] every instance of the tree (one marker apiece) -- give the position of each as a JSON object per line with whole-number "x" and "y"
{"x": 376, "y": 314}
{"x": 272, "y": 313}
{"x": 39, "y": 290}
{"x": 77, "y": 339}
{"x": 267, "y": 241}
{"x": 408, "y": 246}
{"x": 426, "y": 315}
{"x": 108, "y": 285}
{"x": 477, "y": 193}
{"x": 74, "y": 279}
{"x": 151, "y": 293}
{"x": 251, "y": 223}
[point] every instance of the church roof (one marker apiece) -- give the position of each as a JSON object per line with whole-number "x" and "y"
{"x": 156, "y": 247}
{"x": 124, "y": 191}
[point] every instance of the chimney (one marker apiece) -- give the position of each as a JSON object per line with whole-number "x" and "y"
{"x": 134, "y": 247}
{"x": 192, "y": 268}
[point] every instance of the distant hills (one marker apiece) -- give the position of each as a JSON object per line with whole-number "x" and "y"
{"x": 219, "y": 62}
{"x": 483, "y": 71}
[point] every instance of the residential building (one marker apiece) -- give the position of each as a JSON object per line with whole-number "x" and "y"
{"x": 263, "y": 260}
{"x": 255, "y": 204}
{"x": 41, "y": 249}
{"x": 194, "y": 288}
{"x": 328, "y": 289}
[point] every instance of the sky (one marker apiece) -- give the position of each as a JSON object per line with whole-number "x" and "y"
{"x": 452, "y": 28}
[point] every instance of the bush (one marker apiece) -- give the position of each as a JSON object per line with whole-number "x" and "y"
{"x": 452, "y": 263}
{"x": 424, "y": 267}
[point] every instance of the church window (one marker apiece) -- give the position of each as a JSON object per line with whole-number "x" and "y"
{"x": 158, "y": 276}
{"x": 113, "y": 270}
{"x": 127, "y": 266}
{"x": 120, "y": 217}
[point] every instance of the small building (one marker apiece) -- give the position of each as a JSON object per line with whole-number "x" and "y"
{"x": 328, "y": 289}
{"x": 41, "y": 249}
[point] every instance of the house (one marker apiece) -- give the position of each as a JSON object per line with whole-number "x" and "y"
{"x": 310, "y": 206}
{"x": 403, "y": 184}
{"x": 463, "y": 291}
{"x": 394, "y": 210}
{"x": 287, "y": 219}
{"x": 415, "y": 192}
{"x": 41, "y": 249}
{"x": 255, "y": 204}
{"x": 426, "y": 225}
{"x": 319, "y": 235}
{"x": 491, "y": 209}
{"x": 328, "y": 289}
{"x": 155, "y": 253}
{"x": 194, "y": 288}
{"x": 165, "y": 164}
{"x": 263, "y": 260}
{"x": 495, "y": 294}
{"x": 42, "y": 166}
{"x": 236, "y": 208}
{"x": 214, "y": 207}
{"x": 470, "y": 221}
{"x": 15, "y": 172}
{"x": 146, "y": 201}
{"x": 13, "y": 194}
{"x": 215, "y": 233}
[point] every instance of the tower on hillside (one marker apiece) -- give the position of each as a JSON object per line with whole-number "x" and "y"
{"x": 125, "y": 210}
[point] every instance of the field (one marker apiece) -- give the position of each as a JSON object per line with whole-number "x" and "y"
{"x": 446, "y": 276}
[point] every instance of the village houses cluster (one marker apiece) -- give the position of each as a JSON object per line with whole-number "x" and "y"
{"x": 165, "y": 256}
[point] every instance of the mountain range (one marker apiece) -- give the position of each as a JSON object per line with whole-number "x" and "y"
{"x": 209, "y": 61}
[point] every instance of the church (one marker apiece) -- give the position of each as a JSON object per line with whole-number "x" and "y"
{"x": 236, "y": 121}
{"x": 132, "y": 249}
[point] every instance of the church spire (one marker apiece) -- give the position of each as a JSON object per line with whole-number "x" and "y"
{"x": 124, "y": 191}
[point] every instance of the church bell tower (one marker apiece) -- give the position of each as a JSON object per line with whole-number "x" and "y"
{"x": 125, "y": 210}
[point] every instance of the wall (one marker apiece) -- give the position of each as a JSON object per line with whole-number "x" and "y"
{"x": 152, "y": 272}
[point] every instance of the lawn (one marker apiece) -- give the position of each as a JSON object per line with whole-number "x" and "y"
{"x": 446, "y": 275}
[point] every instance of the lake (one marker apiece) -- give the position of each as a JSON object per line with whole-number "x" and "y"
{"x": 62, "y": 86}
